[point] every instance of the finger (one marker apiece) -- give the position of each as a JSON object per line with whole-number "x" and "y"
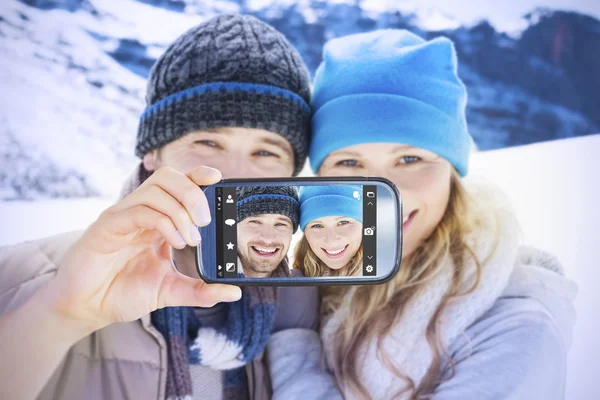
{"x": 157, "y": 198}
{"x": 125, "y": 222}
{"x": 186, "y": 190}
{"x": 203, "y": 176}
{"x": 178, "y": 290}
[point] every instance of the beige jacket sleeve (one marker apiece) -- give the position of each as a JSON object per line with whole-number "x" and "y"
{"x": 25, "y": 267}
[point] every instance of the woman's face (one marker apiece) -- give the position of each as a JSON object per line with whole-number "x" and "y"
{"x": 335, "y": 240}
{"x": 422, "y": 177}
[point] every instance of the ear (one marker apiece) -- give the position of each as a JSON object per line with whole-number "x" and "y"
{"x": 149, "y": 161}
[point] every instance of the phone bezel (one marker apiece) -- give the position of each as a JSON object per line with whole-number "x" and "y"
{"x": 208, "y": 233}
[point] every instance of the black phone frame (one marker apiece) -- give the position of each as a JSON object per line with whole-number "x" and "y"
{"x": 301, "y": 280}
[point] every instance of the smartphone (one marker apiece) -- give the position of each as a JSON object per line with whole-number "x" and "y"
{"x": 301, "y": 231}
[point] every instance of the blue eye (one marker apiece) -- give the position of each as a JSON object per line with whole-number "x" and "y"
{"x": 409, "y": 159}
{"x": 316, "y": 226}
{"x": 347, "y": 163}
{"x": 344, "y": 222}
{"x": 208, "y": 143}
{"x": 264, "y": 153}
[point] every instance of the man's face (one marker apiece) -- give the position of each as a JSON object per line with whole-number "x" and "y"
{"x": 236, "y": 152}
{"x": 263, "y": 242}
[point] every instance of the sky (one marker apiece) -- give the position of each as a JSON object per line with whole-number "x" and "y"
{"x": 504, "y": 15}
{"x": 433, "y": 14}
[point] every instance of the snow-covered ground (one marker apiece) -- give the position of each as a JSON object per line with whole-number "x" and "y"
{"x": 553, "y": 186}
{"x": 555, "y": 190}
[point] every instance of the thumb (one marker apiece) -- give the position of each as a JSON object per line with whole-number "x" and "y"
{"x": 178, "y": 290}
{"x": 202, "y": 175}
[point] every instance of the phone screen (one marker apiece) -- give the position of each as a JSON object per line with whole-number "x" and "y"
{"x": 294, "y": 230}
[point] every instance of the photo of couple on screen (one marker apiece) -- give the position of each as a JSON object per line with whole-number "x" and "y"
{"x": 320, "y": 228}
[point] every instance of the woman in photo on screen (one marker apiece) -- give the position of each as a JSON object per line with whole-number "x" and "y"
{"x": 331, "y": 222}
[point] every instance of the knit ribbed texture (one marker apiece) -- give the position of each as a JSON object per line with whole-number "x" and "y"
{"x": 244, "y": 337}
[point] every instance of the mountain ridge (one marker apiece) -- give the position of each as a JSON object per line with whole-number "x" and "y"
{"x": 87, "y": 61}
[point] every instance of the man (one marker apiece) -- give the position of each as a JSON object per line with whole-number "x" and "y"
{"x": 106, "y": 314}
{"x": 267, "y": 218}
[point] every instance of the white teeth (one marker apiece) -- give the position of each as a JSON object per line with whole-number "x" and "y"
{"x": 265, "y": 249}
{"x": 334, "y": 252}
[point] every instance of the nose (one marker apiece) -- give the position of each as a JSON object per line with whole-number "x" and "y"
{"x": 379, "y": 171}
{"x": 267, "y": 234}
{"x": 330, "y": 237}
{"x": 230, "y": 167}
{"x": 235, "y": 164}
{"x": 403, "y": 182}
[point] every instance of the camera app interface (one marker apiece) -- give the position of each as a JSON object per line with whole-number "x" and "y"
{"x": 287, "y": 231}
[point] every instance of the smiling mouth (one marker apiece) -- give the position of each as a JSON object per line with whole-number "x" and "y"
{"x": 264, "y": 251}
{"x": 335, "y": 253}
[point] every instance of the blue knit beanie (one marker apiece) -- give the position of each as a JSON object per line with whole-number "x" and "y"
{"x": 330, "y": 201}
{"x": 390, "y": 86}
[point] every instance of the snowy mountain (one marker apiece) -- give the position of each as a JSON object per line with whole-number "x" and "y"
{"x": 73, "y": 75}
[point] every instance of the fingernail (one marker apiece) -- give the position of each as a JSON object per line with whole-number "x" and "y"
{"x": 195, "y": 234}
{"x": 215, "y": 173}
{"x": 234, "y": 295}
{"x": 179, "y": 239}
{"x": 202, "y": 215}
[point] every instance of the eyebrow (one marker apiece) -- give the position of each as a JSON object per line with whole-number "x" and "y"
{"x": 284, "y": 219}
{"x": 347, "y": 153}
{"x": 405, "y": 147}
{"x": 395, "y": 149}
{"x": 281, "y": 143}
{"x": 216, "y": 130}
{"x": 401, "y": 147}
{"x": 212, "y": 131}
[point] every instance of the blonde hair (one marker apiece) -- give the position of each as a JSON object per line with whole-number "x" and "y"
{"x": 307, "y": 261}
{"x": 374, "y": 310}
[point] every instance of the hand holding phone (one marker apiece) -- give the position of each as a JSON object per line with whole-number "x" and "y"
{"x": 121, "y": 267}
{"x": 301, "y": 231}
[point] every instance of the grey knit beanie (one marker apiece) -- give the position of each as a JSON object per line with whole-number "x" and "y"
{"x": 230, "y": 71}
{"x": 256, "y": 200}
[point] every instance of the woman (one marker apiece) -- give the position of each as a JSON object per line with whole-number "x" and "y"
{"x": 471, "y": 314}
{"x": 331, "y": 219}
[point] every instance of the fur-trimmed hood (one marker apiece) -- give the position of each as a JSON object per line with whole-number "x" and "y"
{"x": 540, "y": 276}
